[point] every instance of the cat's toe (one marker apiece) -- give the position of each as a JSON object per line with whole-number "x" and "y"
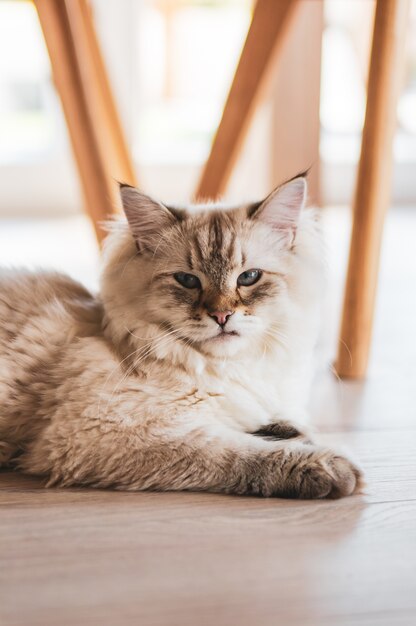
{"x": 347, "y": 478}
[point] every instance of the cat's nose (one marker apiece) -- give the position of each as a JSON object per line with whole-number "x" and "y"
{"x": 221, "y": 317}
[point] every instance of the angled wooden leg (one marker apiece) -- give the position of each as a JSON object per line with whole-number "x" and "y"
{"x": 295, "y": 119}
{"x": 87, "y": 102}
{"x": 373, "y": 186}
{"x": 100, "y": 94}
{"x": 269, "y": 27}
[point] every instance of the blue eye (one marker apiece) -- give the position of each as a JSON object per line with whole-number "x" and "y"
{"x": 187, "y": 280}
{"x": 248, "y": 278}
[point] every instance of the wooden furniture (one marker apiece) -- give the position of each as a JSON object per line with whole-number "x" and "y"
{"x": 281, "y": 55}
{"x": 91, "y": 116}
{"x": 269, "y": 29}
{"x": 295, "y": 120}
{"x": 102, "y": 156}
{"x": 372, "y": 194}
{"x": 262, "y": 49}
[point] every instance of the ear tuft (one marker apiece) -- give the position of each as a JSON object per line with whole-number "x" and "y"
{"x": 146, "y": 217}
{"x": 282, "y": 208}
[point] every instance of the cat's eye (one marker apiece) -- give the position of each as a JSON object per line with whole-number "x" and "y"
{"x": 187, "y": 280}
{"x": 248, "y": 278}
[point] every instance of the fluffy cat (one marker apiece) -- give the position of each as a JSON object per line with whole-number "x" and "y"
{"x": 189, "y": 371}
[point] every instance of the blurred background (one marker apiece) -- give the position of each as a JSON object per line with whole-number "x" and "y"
{"x": 171, "y": 63}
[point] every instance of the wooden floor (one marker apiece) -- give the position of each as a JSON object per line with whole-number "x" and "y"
{"x": 75, "y": 557}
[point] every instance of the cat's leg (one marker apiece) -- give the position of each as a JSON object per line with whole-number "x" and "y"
{"x": 193, "y": 458}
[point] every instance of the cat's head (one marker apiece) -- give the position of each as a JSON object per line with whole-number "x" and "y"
{"x": 219, "y": 281}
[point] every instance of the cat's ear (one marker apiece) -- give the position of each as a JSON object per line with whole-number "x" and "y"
{"x": 146, "y": 217}
{"x": 282, "y": 208}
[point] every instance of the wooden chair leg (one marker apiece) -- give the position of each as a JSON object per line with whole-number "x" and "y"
{"x": 269, "y": 27}
{"x": 89, "y": 109}
{"x": 295, "y": 119}
{"x": 373, "y": 186}
{"x": 96, "y": 80}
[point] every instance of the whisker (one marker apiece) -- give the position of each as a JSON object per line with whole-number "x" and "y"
{"x": 144, "y": 352}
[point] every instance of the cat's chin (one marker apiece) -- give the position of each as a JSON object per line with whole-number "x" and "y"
{"x": 225, "y": 336}
{"x": 223, "y": 344}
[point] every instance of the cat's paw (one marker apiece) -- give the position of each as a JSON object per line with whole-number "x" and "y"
{"x": 283, "y": 429}
{"x": 321, "y": 473}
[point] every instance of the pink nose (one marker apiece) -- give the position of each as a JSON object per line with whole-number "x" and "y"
{"x": 221, "y": 317}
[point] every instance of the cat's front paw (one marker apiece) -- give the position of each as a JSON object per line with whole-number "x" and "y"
{"x": 320, "y": 473}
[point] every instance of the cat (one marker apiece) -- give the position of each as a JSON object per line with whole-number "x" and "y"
{"x": 189, "y": 371}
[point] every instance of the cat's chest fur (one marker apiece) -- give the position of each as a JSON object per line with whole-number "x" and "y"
{"x": 244, "y": 397}
{"x": 244, "y": 392}
{"x": 242, "y": 403}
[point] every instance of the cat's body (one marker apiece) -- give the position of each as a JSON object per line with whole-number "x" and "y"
{"x": 162, "y": 381}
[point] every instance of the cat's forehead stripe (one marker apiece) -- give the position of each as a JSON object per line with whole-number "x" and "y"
{"x": 197, "y": 249}
{"x": 216, "y": 226}
{"x": 213, "y": 246}
{"x": 190, "y": 260}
